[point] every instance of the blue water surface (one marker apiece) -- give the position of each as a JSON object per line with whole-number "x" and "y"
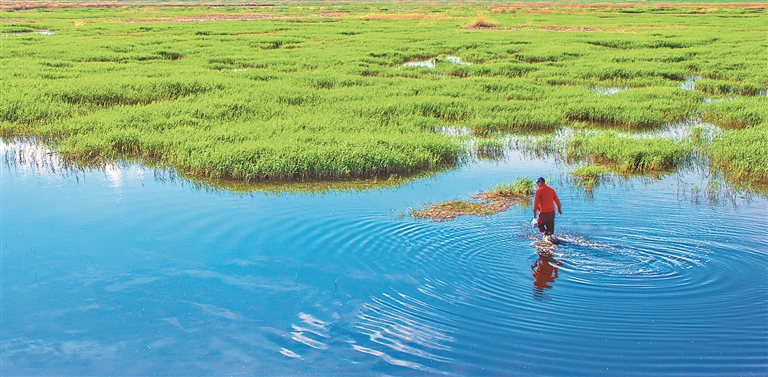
{"x": 115, "y": 272}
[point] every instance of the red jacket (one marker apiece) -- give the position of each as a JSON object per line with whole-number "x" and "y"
{"x": 545, "y": 196}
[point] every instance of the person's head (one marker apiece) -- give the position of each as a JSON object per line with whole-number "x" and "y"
{"x": 540, "y": 182}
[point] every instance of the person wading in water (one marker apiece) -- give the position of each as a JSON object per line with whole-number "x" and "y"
{"x": 544, "y": 203}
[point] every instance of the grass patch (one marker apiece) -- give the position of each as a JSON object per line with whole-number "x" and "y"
{"x": 448, "y": 210}
{"x": 723, "y": 87}
{"x": 499, "y": 199}
{"x": 589, "y": 176}
{"x": 742, "y": 155}
{"x": 521, "y": 187}
{"x": 628, "y": 155}
{"x": 482, "y": 22}
{"x": 489, "y": 149}
{"x": 739, "y": 112}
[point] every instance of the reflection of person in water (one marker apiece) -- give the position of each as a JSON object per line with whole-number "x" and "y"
{"x": 544, "y": 270}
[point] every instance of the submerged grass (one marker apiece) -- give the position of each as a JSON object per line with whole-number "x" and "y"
{"x": 589, "y": 176}
{"x": 321, "y": 91}
{"x": 499, "y": 199}
{"x": 448, "y": 210}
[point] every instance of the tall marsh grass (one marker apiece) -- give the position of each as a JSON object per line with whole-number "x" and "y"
{"x": 742, "y": 155}
{"x": 628, "y": 155}
{"x": 740, "y": 112}
{"x": 522, "y": 186}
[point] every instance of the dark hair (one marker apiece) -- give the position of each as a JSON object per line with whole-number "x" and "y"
{"x": 541, "y": 179}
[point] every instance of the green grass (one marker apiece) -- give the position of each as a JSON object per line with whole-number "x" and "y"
{"x": 589, "y": 176}
{"x": 742, "y": 155}
{"x": 289, "y": 92}
{"x": 739, "y": 112}
{"x": 489, "y": 148}
{"x": 627, "y": 155}
{"x": 522, "y": 186}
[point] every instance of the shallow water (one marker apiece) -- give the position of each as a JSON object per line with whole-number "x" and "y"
{"x": 690, "y": 82}
{"x": 114, "y": 272}
{"x": 432, "y": 63}
{"x": 603, "y": 91}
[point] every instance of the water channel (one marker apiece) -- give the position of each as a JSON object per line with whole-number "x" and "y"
{"x": 115, "y": 271}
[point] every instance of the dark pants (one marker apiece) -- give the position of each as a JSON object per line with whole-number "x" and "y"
{"x": 547, "y": 222}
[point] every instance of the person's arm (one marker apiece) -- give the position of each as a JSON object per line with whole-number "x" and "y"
{"x": 557, "y": 201}
{"x": 536, "y": 200}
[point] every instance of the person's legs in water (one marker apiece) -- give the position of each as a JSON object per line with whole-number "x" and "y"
{"x": 546, "y": 223}
{"x": 551, "y": 225}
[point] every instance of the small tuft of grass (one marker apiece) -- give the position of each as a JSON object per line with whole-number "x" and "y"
{"x": 482, "y": 22}
{"x": 589, "y": 176}
{"x": 522, "y": 186}
{"x": 489, "y": 149}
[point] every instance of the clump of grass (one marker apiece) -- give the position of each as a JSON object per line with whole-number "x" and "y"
{"x": 504, "y": 195}
{"x": 499, "y": 199}
{"x": 742, "y": 155}
{"x": 629, "y": 155}
{"x": 724, "y": 87}
{"x": 640, "y": 108}
{"x": 489, "y": 149}
{"x": 448, "y": 210}
{"x": 737, "y": 113}
{"x": 482, "y": 22}
{"x": 589, "y": 176}
{"x": 521, "y": 187}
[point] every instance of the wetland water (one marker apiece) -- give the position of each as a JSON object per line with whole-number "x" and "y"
{"x": 115, "y": 272}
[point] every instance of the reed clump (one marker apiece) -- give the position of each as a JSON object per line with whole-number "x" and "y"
{"x": 640, "y": 108}
{"x": 489, "y": 149}
{"x": 728, "y": 87}
{"x": 519, "y": 188}
{"x": 589, "y": 176}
